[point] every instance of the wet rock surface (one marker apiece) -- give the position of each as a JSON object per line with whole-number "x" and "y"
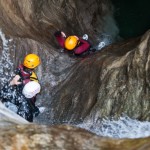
{"x": 106, "y": 83}
{"x": 16, "y": 133}
{"x": 39, "y": 20}
{"x": 63, "y": 137}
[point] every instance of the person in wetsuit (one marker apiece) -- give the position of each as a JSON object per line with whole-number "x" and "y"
{"x": 72, "y": 44}
{"x": 12, "y": 91}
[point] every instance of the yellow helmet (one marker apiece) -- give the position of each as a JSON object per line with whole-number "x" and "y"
{"x": 31, "y": 61}
{"x": 71, "y": 42}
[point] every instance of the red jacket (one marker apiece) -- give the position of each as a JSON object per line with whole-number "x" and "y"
{"x": 79, "y": 49}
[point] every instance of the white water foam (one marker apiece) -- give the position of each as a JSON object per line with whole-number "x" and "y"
{"x": 125, "y": 127}
{"x": 104, "y": 40}
{"x": 5, "y": 59}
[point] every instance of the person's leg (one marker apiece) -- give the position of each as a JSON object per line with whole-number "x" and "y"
{"x": 25, "y": 111}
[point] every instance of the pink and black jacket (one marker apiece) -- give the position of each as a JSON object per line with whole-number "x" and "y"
{"x": 25, "y": 76}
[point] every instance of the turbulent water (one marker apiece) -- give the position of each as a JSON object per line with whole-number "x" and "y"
{"x": 104, "y": 40}
{"x": 125, "y": 127}
{"x": 5, "y": 61}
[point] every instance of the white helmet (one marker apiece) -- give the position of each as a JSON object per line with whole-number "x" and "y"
{"x": 31, "y": 89}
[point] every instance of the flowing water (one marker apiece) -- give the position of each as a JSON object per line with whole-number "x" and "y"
{"x": 5, "y": 61}
{"x": 125, "y": 127}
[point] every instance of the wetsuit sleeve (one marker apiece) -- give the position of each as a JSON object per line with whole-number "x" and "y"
{"x": 83, "y": 46}
{"x": 17, "y": 71}
{"x": 24, "y": 78}
{"x": 60, "y": 39}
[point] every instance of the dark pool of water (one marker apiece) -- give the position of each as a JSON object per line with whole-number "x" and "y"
{"x": 132, "y": 17}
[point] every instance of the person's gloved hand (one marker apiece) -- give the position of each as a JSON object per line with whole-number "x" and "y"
{"x": 15, "y": 80}
{"x": 63, "y": 34}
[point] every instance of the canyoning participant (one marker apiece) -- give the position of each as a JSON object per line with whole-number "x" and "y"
{"x": 22, "y": 89}
{"x": 26, "y": 70}
{"x": 73, "y": 44}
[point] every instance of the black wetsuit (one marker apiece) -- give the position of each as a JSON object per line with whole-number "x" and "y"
{"x": 25, "y": 107}
{"x": 14, "y": 95}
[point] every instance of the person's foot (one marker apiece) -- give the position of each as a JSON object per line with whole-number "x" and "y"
{"x": 85, "y": 37}
{"x": 41, "y": 109}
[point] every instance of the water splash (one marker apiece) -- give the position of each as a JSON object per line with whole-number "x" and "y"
{"x": 104, "y": 40}
{"x": 5, "y": 60}
{"x": 11, "y": 106}
{"x": 125, "y": 127}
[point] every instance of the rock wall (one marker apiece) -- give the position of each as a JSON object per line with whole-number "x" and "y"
{"x": 109, "y": 83}
{"x": 16, "y": 133}
{"x": 108, "y": 76}
{"x": 38, "y": 20}
{"x": 29, "y": 27}
{"x": 34, "y": 137}
{"x": 104, "y": 84}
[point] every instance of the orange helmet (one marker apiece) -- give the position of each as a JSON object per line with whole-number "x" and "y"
{"x": 31, "y": 61}
{"x": 71, "y": 42}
